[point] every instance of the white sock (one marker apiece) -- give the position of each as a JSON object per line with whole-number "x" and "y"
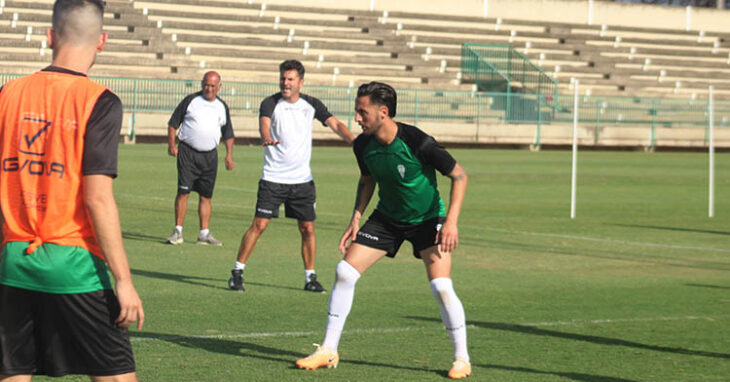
{"x": 308, "y": 274}
{"x": 178, "y": 228}
{"x": 240, "y": 266}
{"x": 343, "y": 292}
{"x": 204, "y": 232}
{"x": 452, "y": 314}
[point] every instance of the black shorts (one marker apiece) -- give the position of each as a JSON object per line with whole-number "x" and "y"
{"x": 380, "y": 232}
{"x": 196, "y": 170}
{"x": 59, "y": 334}
{"x": 299, "y": 200}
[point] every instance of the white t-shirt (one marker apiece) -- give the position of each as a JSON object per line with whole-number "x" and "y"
{"x": 291, "y": 123}
{"x": 202, "y": 122}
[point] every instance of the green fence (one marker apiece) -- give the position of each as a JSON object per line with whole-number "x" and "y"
{"x": 503, "y": 69}
{"x": 415, "y": 106}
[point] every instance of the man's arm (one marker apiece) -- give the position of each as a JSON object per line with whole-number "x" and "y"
{"x": 340, "y": 129}
{"x": 230, "y": 164}
{"x": 449, "y": 233}
{"x": 265, "y": 131}
{"x": 171, "y": 145}
{"x": 99, "y": 198}
{"x": 365, "y": 190}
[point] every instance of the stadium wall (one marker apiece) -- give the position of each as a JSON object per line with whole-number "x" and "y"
{"x": 572, "y": 11}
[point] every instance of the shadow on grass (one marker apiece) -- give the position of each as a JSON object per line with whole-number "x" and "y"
{"x": 200, "y": 281}
{"x": 143, "y": 237}
{"x": 708, "y": 286}
{"x": 680, "y": 229}
{"x": 568, "y": 375}
{"x": 524, "y": 329}
{"x": 192, "y": 280}
{"x": 246, "y": 349}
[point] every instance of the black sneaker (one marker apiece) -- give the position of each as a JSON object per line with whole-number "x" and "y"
{"x": 236, "y": 280}
{"x": 313, "y": 285}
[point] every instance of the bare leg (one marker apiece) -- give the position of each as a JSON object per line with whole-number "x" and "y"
{"x": 181, "y": 208}
{"x": 249, "y": 239}
{"x": 309, "y": 243}
{"x": 204, "y": 210}
{"x": 16, "y": 378}
{"x": 129, "y": 377}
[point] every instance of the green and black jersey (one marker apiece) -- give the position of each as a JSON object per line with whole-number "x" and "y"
{"x": 405, "y": 173}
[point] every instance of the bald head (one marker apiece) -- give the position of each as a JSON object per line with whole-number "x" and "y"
{"x": 211, "y": 84}
{"x": 77, "y": 22}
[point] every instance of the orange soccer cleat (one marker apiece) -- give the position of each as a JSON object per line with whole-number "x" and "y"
{"x": 460, "y": 369}
{"x": 321, "y": 357}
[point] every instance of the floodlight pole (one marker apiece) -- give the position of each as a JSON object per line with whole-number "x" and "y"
{"x": 575, "y": 153}
{"x": 711, "y": 113}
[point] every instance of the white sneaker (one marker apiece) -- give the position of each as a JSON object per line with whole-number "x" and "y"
{"x": 209, "y": 240}
{"x": 176, "y": 238}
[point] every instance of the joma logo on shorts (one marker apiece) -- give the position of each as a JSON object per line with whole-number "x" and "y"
{"x": 264, "y": 211}
{"x": 368, "y": 236}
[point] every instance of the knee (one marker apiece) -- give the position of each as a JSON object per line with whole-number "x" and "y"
{"x": 346, "y": 273}
{"x": 259, "y": 226}
{"x": 306, "y": 229}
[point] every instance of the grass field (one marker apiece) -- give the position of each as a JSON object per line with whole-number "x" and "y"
{"x": 636, "y": 288}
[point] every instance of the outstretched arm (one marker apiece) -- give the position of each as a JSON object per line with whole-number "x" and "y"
{"x": 104, "y": 214}
{"x": 449, "y": 233}
{"x": 365, "y": 190}
{"x": 340, "y": 129}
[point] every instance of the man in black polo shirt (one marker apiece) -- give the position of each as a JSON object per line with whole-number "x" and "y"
{"x": 202, "y": 118}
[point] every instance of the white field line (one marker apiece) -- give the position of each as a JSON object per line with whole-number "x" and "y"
{"x": 410, "y": 329}
{"x": 509, "y": 231}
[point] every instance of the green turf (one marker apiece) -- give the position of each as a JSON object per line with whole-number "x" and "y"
{"x": 636, "y": 288}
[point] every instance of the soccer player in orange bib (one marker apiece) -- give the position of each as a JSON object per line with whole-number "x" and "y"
{"x": 59, "y": 133}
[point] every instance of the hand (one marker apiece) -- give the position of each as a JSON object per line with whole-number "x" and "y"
{"x": 269, "y": 142}
{"x": 449, "y": 236}
{"x": 172, "y": 150}
{"x": 230, "y": 164}
{"x": 349, "y": 235}
{"x": 131, "y": 305}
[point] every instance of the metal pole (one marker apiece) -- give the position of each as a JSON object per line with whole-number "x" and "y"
{"x": 479, "y": 114}
{"x": 573, "y": 178}
{"x": 711, "y": 212}
{"x": 350, "y": 107}
{"x": 415, "y": 111}
{"x": 133, "y": 133}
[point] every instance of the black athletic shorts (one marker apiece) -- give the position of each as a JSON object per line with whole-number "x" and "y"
{"x": 59, "y": 334}
{"x": 381, "y": 232}
{"x": 299, "y": 200}
{"x": 196, "y": 170}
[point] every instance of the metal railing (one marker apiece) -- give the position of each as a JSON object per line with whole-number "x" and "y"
{"x": 503, "y": 69}
{"x": 414, "y": 106}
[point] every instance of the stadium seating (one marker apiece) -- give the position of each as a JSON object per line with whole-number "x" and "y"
{"x": 182, "y": 38}
{"x": 246, "y": 40}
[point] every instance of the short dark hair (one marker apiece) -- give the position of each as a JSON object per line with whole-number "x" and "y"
{"x": 381, "y": 94}
{"x": 292, "y": 65}
{"x": 62, "y": 7}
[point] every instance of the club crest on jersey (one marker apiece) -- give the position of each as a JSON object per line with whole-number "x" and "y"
{"x": 401, "y": 170}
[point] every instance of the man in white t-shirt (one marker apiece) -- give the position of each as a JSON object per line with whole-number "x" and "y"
{"x": 285, "y": 125}
{"x": 202, "y": 118}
